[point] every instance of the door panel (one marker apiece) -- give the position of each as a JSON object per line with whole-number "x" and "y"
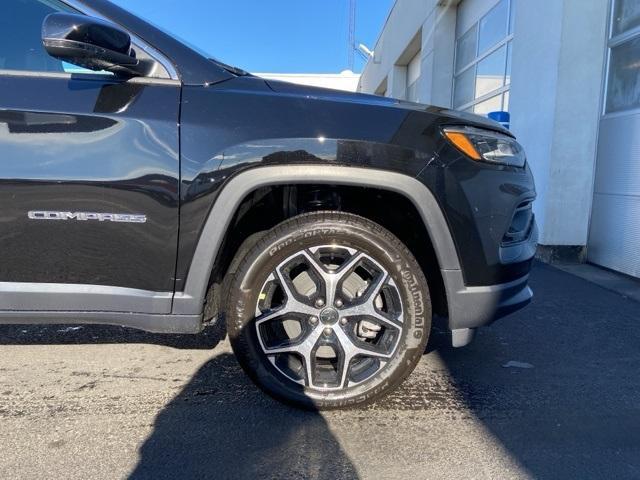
{"x": 89, "y": 144}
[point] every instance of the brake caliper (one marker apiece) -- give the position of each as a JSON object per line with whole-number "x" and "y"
{"x": 368, "y": 330}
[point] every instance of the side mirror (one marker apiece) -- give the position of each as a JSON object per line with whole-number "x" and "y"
{"x": 91, "y": 43}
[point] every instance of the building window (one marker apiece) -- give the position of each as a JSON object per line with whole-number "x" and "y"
{"x": 623, "y": 81}
{"x": 413, "y": 75}
{"x": 483, "y": 62}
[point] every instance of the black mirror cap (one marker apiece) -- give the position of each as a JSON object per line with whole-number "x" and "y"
{"x": 91, "y": 43}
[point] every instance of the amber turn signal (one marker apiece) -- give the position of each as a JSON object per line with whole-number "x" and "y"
{"x": 463, "y": 144}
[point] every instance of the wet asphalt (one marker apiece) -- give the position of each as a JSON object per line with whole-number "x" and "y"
{"x": 550, "y": 392}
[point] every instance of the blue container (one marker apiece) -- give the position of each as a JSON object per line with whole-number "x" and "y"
{"x": 503, "y": 117}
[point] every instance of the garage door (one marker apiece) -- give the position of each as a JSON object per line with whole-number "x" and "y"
{"x": 614, "y": 239}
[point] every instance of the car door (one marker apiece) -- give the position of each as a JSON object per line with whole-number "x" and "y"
{"x": 89, "y": 178}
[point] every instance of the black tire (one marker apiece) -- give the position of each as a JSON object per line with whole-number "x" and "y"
{"x": 380, "y": 249}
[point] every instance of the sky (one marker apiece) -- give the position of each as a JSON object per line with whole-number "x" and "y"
{"x": 280, "y": 36}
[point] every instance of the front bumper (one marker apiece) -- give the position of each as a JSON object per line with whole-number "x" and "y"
{"x": 471, "y": 307}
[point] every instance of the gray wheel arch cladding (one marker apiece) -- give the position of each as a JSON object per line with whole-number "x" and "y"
{"x": 191, "y": 300}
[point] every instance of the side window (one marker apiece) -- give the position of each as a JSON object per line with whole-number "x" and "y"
{"x": 21, "y": 36}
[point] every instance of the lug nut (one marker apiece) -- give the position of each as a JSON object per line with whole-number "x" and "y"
{"x": 327, "y": 332}
{"x": 343, "y": 321}
{"x": 319, "y": 303}
{"x": 339, "y": 303}
{"x": 313, "y": 320}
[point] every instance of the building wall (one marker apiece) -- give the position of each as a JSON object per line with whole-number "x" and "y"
{"x": 614, "y": 239}
{"x": 555, "y": 98}
{"x": 414, "y": 27}
{"x": 557, "y": 82}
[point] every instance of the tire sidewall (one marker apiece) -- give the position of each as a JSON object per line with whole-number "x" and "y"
{"x": 316, "y": 230}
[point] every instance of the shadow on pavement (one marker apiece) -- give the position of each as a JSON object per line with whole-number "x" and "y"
{"x": 570, "y": 407}
{"x": 105, "y": 334}
{"x": 221, "y": 427}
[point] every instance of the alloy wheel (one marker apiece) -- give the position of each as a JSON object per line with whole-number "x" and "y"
{"x": 329, "y": 317}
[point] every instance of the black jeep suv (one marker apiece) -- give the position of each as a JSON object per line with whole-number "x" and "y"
{"x": 146, "y": 185}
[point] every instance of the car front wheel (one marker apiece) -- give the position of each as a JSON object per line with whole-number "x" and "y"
{"x": 328, "y": 310}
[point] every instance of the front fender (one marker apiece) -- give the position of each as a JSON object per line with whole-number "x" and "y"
{"x": 191, "y": 299}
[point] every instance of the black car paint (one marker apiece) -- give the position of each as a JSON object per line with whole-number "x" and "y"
{"x": 89, "y": 144}
{"x": 247, "y": 122}
{"x": 182, "y": 144}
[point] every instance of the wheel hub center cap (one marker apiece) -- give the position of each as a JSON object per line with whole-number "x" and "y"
{"x": 329, "y": 316}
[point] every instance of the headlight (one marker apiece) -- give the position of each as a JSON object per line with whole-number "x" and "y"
{"x": 486, "y": 145}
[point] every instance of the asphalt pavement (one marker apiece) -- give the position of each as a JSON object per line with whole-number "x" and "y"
{"x": 550, "y": 392}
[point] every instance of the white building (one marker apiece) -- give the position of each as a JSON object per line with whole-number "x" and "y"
{"x": 568, "y": 71}
{"x": 346, "y": 80}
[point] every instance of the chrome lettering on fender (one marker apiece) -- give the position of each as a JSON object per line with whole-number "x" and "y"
{"x": 87, "y": 216}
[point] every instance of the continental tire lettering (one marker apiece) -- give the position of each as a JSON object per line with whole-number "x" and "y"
{"x": 416, "y": 295}
{"x": 298, "y": 236}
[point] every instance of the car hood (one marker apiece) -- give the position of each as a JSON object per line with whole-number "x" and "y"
{"x": 310, "y": 92}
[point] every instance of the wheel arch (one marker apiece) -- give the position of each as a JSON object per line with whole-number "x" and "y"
{"x": 191, "y": 299}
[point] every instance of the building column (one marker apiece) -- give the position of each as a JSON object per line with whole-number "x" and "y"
{"x": 438, "y": 50}
{"x": 555, "y": 102}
